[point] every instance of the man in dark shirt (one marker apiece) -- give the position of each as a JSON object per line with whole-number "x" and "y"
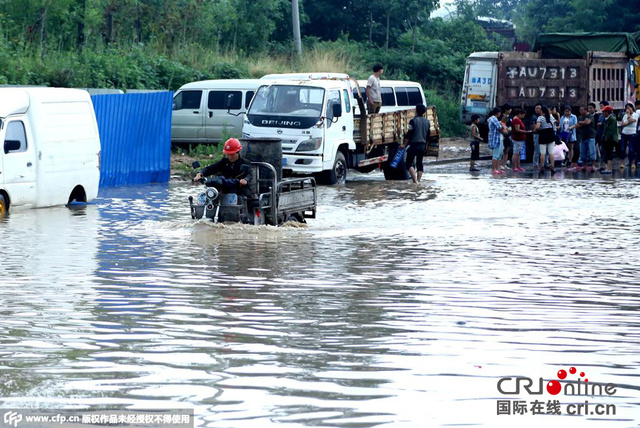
{"x": 417, "y": 137}
{"x": 609, "y": 139}
{"x": 587, "y": 129}
{"x": 234, "y": 168}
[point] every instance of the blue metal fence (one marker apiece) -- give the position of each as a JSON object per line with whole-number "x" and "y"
{"x": 135, "y": 134}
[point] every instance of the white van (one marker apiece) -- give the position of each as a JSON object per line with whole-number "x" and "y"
{"x": 201, "y": 110}
{"x": 396, "y": 94}
{"x": 51, "y": 147}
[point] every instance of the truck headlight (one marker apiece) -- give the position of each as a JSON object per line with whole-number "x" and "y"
{"x": 309, "y": 145}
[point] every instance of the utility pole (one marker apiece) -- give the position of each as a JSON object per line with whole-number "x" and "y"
{"x": 297, "y": 42}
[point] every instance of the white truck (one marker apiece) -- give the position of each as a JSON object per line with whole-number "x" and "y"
{"x": 51, "y": 147}
{"x": 321, "y": 131}
{"x": 523, "y": 79}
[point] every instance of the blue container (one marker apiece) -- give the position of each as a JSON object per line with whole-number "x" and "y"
{"x": 398, "y": 157}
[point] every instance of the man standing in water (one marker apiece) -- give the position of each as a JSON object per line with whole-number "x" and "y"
{"x": 495, "y": 142}
{"x": 609, "y": 139}
{"x": 417, "y": 137}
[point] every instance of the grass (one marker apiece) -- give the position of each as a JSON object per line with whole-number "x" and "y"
{"x": 205, "y": 154}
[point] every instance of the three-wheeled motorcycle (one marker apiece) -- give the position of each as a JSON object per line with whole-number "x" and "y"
{"x": 273, "y": 200}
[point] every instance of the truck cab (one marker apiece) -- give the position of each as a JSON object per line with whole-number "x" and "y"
{"x": 479, "y": 88}
{"x": 314, "y": 119}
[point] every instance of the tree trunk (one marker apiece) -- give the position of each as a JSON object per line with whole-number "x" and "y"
{"x": 138, "y": 24}
{"x": 108, "y": 36}
{"x": 386, "y": 44}
{"x": 43, "y": 30}
{"x": 413, "y": 34}
{"x": 83, "y": 9}
{"x": 297, "y": 42}
{"x": 371, "y": 27}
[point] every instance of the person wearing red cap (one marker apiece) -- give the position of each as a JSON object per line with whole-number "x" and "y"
{"x": 609, "y": 138}
{"x": 232, "y": 167}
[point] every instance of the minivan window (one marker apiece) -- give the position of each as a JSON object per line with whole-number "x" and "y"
{"x": 408, "y": 96}
{"x": 387, "y": 96}
{"x": 402, "y": 96}
{"x": 248, "y": 98}
{"x": 218, "y": 100}
{"x": 187, "y": 100}
{"x": 363, "y": 92}
{"x": 16, "y": 132}
{"x": 415, "y": 96}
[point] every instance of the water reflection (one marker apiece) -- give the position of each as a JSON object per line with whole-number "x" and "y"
{"x": 399, "y": 304}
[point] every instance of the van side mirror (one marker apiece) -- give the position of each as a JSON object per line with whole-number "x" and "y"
{"x": 337, "y": 110}
{"x": 11, "y": 146}
{"x": 230, "y": 99}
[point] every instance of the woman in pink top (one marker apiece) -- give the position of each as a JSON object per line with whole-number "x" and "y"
{"x": 518, "y": 136}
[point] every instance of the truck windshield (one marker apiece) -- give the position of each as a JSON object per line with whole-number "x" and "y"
{"x": 286, "y": 106}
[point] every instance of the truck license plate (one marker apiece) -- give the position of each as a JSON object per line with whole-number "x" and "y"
{"x": 284, "y": 161}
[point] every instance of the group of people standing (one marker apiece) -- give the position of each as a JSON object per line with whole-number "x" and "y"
{"x": 578, "y": 143}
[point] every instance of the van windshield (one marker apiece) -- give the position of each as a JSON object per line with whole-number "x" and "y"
{"x": 286, "y": 106}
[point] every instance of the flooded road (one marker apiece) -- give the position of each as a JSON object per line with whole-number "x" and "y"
{"x": 399, "y": 305}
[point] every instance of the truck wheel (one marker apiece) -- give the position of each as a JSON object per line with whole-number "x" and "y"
{"x": 3, "y": 206}
{"x": 298, "y": 218}
{"x": 399, "y": 173}
{"x": 338, "y": 174}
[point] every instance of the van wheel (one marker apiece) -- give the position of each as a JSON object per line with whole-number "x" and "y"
{"x": 77, "y": 195}
{"x": 338, "y": 174}
{"x": 3, "y": 206}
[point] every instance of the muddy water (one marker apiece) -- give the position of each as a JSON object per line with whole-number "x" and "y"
{"x": 398, "y": 305}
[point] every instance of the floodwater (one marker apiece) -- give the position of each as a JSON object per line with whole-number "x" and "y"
{"x": 398, "y": 306}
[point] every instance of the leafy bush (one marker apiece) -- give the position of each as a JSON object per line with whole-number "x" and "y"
{"x": 226, "y": 70}
{"x": 448, "y": 109}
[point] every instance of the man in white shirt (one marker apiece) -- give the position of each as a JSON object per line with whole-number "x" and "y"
{"x": 374, "y": 97}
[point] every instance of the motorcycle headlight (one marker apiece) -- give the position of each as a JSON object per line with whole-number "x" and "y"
{"x": 212, "y": 193}
{"x": 309, "y": 145}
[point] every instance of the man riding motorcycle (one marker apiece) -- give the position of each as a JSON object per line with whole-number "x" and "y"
{"x": 235, "y": 172}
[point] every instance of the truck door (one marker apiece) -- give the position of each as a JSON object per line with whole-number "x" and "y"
{"x": 338, "y": 130}
{"x": 219, "y": 124}
{"x": 480, "y": 87}
{"x": 187, "y": 118}
{"x": 18, "y": 162}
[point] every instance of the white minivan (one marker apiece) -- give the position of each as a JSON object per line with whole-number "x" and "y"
{"x": 210, "y": 111}
{"x": 51, "y": 147}
{"x": 396, "y": 94}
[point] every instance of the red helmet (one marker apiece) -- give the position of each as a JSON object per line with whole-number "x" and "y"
{"x": 231, "y": 146}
